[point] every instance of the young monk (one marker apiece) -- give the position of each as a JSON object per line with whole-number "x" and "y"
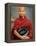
{"x": 22, "y": 21}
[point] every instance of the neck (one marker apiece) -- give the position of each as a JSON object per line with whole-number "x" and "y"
{"x": 21, "y": 16}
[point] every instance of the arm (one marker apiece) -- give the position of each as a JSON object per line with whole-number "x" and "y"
{"x": 30, "y": 30}
{"x": 19, "y": 36}
{"x": 30, "y": 34}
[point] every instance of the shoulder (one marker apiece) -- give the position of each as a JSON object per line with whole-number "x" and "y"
{"x": 16, "y": 20}
{"x": 28, "y": 19}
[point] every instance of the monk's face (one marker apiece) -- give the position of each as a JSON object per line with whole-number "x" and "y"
{"x": 21, "y": 11}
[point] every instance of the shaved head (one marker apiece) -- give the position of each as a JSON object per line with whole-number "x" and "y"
{"x": 21, "y": 11}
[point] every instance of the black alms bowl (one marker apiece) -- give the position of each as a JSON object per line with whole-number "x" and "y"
{"x": 22, "y": 31}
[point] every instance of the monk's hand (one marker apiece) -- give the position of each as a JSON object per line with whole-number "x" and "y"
{"x": 25, "y": 37}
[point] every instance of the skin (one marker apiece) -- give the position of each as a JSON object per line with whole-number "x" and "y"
{"x": 21, "y": 11}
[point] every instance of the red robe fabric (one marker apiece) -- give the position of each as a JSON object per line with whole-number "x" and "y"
{"x": 20, "y": 22}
